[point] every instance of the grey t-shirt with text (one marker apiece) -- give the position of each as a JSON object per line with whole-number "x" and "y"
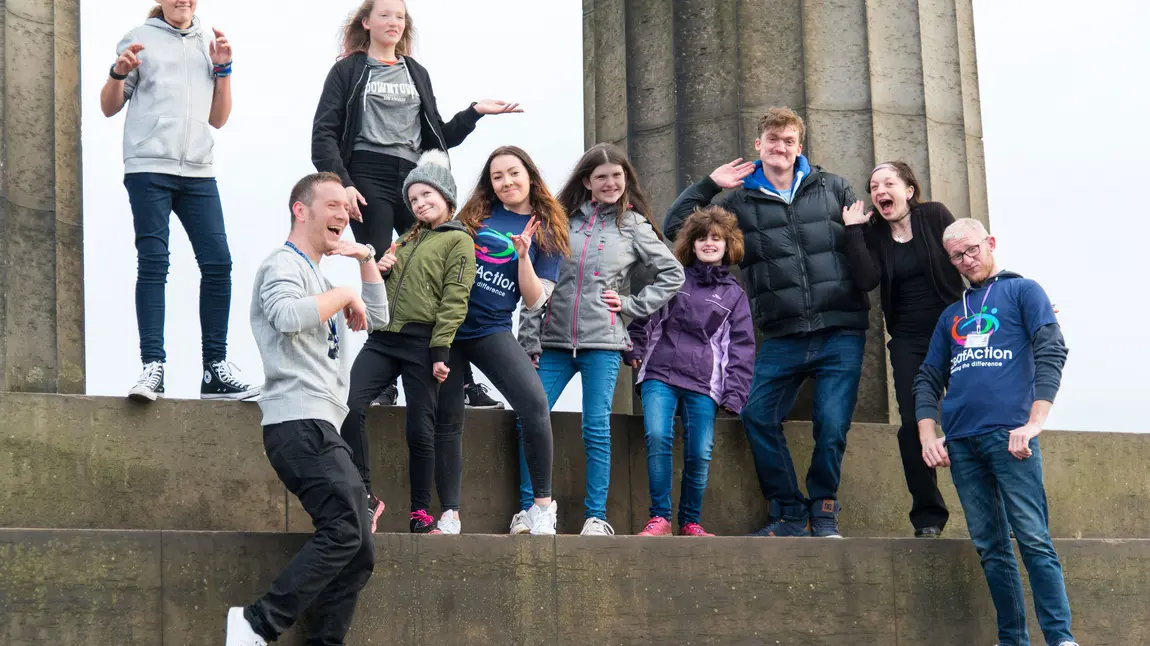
{"x": 391, "y": 119}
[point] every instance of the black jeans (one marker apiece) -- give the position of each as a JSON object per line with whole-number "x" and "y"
{"x": 386, "y": 356}
{"x": 328, "y": 573}
{"x": 503, "y": 360}
{"x": 379, "y": 178}
{"x": 196, "y": 202}
{"x": 927, "y": 507}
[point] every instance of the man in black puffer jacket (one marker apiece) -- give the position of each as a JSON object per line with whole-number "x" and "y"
{"x": 806, "y": 304}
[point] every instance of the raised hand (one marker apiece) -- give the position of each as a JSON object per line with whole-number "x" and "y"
{"x": 522, "y": 242}
{"x": 349, "y": 249}
{"x": 129, "y": 59}
{"x": 732, "y": 175}
{"x": 388, "y": 260}
{"x": 356, "y": 200}
{"x": 490, "y": 106}
{"x": 853, "y": 214}
{"x": 220, "y": 49}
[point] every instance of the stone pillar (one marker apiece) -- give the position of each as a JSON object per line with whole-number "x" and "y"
{"x": 681, "y": 84}
{"x": 41, "y": 232}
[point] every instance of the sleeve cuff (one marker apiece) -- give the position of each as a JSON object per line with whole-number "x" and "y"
{"x": 440, "y": 354}
{"x": 1045, "y": 393}
{"x": 926, "y": 412}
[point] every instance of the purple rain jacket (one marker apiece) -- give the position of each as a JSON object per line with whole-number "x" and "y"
{"x": 702, "y": 340}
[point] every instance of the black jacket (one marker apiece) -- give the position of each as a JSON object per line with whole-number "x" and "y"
{"x": 795, "y": 266}
{"x": 870, "y": 250}
{"x": 338, "y": 116}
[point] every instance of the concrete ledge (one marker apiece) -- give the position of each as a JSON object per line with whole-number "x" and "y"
{"x": 107, "y": 463}
{"x": 149, "y": 587}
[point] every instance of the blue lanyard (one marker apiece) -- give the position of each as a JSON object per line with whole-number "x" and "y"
{"x": 978, "y": 321}
{"x": 332, "y": 330}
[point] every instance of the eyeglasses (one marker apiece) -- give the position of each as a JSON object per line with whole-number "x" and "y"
{"x": 970, "y": 252}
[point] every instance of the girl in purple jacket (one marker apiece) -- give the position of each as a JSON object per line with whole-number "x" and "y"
{"x": 694, "y": 355}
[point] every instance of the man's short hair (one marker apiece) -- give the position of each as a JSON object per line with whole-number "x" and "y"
{"x": 304, "y": 190}
{"x": 781, "y": 117}
{"x": 961, "y": 227}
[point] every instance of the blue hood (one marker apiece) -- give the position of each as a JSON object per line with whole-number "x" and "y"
{"x": 757, "y": 181}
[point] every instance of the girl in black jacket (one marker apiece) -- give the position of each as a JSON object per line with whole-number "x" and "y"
{"x": 376, "y": 115}
{"x": 902, "y": 252}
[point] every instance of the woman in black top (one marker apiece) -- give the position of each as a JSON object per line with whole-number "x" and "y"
{"x": 902, "y": 252}
{"x": 376, "y": 115}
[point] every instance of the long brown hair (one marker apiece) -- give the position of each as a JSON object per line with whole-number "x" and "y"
{"x": 575, "y": 194}
{"x": 156, "y": 12}
{"x": 700, "y": 224}
{"x": 356, "y": 39}
{"x": 904, "y": 172}
{"x": 552, "y": 235}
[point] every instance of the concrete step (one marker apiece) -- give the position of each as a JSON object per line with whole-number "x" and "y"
{"x": 90, "y": 462}
{"x": 173, "y": 587}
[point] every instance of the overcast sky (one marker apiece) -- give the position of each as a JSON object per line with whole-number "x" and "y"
{"x": 1063, "y": 107}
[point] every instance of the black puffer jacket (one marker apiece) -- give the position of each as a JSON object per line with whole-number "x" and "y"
{"x": 796, "y": 269}
{"x": 339, "y": 115}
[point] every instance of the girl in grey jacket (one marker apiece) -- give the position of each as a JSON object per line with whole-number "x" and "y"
{"x": 582, "y": 328}
{"x": 175, "y": 78}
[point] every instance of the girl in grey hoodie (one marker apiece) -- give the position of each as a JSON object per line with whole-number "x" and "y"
{"x": 581, "y": 329}
{"x": 176, "y": 81}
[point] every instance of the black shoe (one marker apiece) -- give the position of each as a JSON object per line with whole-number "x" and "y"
{"x": 388, "y": 397}
{"x": 220, "y": 383}
{"x": 150, "y": 386}
{"x": 928, "y": 532}
{"x": 825, "y": 519}
{"x": 422, "y": 522}
{"x": 475, "y": 396}
{"x": 783, "y": 528}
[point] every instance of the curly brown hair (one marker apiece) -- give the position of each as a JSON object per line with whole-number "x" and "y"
{"x": 574, "y": 194}
{"x": 700, "y": 224}
{"x": 777, "y": 118}
{"x": 356, "y": 39}
{"x": 552, "y": 235}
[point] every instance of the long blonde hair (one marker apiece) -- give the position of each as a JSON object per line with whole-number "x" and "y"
{"x": 356, "y": 39}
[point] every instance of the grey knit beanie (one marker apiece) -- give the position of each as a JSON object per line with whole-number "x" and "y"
{"x": 433, "y": 169}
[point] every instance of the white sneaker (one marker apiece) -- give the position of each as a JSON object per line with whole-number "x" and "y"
{"x": 449, "y": 523}
{"x": 520, "y": 524}
{"x": 240, "y": 632}
{"x": 150, "y": 385}
{"x": 543, "y": 519}
{"x": 597, "y": 527}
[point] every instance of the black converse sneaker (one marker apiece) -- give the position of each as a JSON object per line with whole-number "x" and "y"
{"x": 150, "y": 386}
{"x": 388, "y": 397}
{"x": 220, "y": 383}
{"x": 475, "y": 396}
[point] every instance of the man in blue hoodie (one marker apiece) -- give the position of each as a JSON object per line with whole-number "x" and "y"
{"x": 810, "y": 311}
{"x": 998, "y": 354}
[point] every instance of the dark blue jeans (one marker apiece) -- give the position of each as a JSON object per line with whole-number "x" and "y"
{"x": 999, "y": 492}
{"x": 834, "y": 359}
{"x": 660, "y": 402}
{"x": 196, "y": 202}
{"x": 598, "y": 370}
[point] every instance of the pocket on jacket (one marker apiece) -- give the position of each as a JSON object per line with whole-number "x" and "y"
{"x": 200, "y": 143}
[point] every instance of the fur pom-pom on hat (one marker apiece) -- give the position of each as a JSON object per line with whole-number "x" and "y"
{"x": 433, "y": 169}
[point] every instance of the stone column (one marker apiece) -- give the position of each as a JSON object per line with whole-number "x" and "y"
{"x": 41, "y": 232}
{"x": 681, "y": 84}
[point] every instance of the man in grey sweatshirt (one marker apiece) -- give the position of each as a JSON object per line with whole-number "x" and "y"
{"x": 299, "y": 321}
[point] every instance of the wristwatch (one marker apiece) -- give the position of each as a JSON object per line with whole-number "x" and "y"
{"x": 370, "y": 256}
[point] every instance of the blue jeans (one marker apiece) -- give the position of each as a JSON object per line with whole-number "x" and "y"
{"x": 196, "y": 202}
{"x": 1000, "y": 492}
{"x": 660, "y": 402}
{"x": 834, "y": 359}
{"x": 598, "y": 370}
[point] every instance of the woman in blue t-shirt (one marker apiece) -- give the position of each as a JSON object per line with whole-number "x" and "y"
{"x": 520, "y": 233}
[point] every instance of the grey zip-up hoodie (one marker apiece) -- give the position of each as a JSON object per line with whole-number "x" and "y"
{"x": 169, "y": 101}
{"x": 301, "y": 380}
{"x": 603, "y": 256}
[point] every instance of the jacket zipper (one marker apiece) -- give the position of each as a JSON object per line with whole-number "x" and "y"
{"x": 403, "y": 274}
{"x": 187, "y": 106}
{"x": 462, "y": 265}
{"x": 579, "y": 285}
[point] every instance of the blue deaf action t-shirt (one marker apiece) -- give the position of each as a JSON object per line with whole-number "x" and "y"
{"x": 496, "y": 291}
{"x": 986, "y": 345}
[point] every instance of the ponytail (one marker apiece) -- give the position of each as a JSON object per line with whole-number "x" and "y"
{"x": 156, "y": 12}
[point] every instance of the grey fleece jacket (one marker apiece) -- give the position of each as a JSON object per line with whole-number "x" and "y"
{"x": 301, "y": 380}
{"x": 169, "y": 101}
{"x": 603, "y": 257}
